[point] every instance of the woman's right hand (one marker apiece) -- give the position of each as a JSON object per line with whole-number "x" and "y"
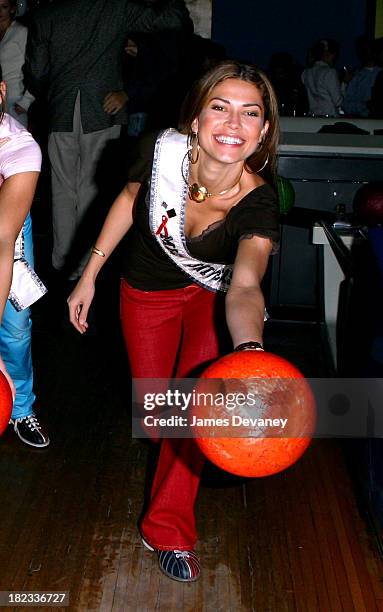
{"x": 79, "y": 303}
{"x": 3, "y": 369}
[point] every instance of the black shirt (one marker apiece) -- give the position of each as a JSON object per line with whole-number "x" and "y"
{"x": 146, "y": 266}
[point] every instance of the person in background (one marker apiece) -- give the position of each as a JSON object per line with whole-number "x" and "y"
{"x": 358, "y": 91}
{"x": 20, "y": 162}
{"x": 203, "y": 217}
{"x": 322, "y": 82}
{"x": 13, "y": 39}
{"x": 158, "y": 63}
{"x": 286, "y": 78}
{"x": 74, "y": 57}
{"x": 152, "y": 67}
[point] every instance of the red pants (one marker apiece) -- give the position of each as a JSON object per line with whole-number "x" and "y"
{"x": 171, "y": 333}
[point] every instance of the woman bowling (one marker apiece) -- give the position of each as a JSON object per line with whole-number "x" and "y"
{"x": 204, "y": 220}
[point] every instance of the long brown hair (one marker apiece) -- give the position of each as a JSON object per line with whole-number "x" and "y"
{"x": 231, "y": 69}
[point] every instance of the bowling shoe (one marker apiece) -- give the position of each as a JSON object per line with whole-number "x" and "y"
{"x": 30, "y": 431}
{"x": 181, "y": 565}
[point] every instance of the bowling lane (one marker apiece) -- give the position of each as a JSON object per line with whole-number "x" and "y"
{"x": 293, "y": 541}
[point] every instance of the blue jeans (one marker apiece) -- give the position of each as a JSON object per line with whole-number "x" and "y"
{"x": 15, "y": 343}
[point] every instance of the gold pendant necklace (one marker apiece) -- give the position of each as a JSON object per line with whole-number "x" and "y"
{"x": 199, "y": 193}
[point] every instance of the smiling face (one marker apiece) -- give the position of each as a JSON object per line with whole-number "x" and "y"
{"x": 231, "y": 123}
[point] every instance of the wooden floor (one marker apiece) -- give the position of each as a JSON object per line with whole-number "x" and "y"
{"x": 294, "y": 541}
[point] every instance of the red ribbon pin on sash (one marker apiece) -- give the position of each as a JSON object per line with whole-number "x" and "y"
{"x": 163, "y": 227}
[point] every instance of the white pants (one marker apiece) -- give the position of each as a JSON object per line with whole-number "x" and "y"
{"x": 74, "y": 157}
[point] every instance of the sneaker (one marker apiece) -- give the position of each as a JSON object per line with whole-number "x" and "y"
{"x": 181, "y": 565}
{"x": 30, "y": 431}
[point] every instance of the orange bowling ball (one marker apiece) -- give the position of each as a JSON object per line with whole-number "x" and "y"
{"x": 255, "y": 413}
{"x": 6, "y": 403}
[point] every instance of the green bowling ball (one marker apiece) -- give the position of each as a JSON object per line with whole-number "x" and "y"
{"x": 286, "y": 194}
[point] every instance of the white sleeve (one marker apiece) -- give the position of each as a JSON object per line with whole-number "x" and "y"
{"x": 20, "y": 154}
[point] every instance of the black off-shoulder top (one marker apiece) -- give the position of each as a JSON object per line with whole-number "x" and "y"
{"x": 147, "y": 267}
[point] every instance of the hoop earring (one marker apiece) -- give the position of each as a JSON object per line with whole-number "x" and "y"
{"x": 264, "y": 165}
{"x": 192, "y": 140}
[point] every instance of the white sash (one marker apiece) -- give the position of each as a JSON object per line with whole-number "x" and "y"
{"x": 168, "y": 193}
{"x": 26, "y": 286}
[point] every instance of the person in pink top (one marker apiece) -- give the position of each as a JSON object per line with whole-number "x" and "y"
{"x": 20, "y": 162}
